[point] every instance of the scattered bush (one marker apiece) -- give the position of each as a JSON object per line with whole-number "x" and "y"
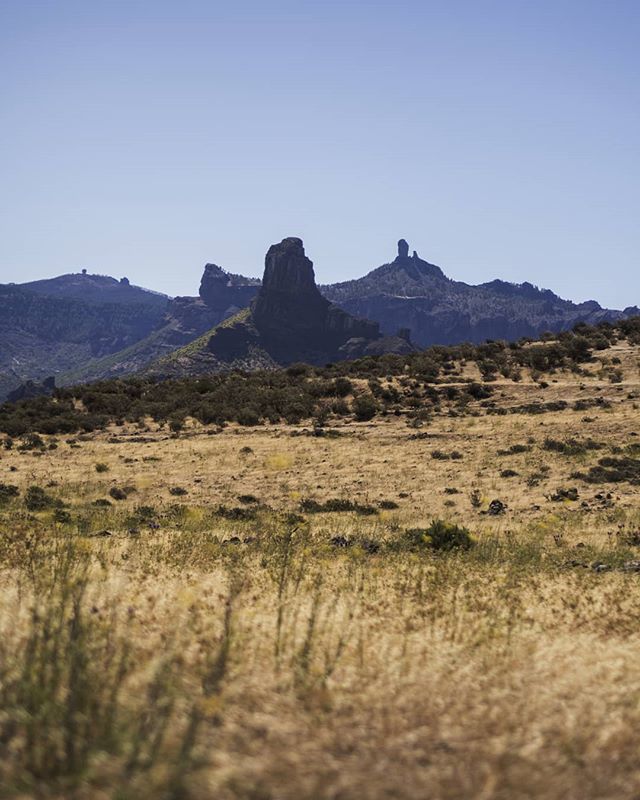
{"x": 310, "y": 506}
{"x": 36, "y": 499}
{"x": 613, "y": 470}
{"x": 571, "y": 447}
{"x": 7, "y": 492}
{"x": 236, "y": 514}
{"x": 248, "y": 499}
{"x": 440, "y": 455}
{"x": 440, "y": 535}
{"x": 302, "y": 391}
{"x": 515, "y": 449}
{"x": 31, "y": 441}
{"x": 365, "y": 408}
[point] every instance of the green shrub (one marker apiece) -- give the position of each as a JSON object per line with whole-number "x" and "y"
{"x": 333, "y": 505}
{"x": 440, "y": 535}
{"x": 613, "y": 470}
{"x": 7, "y": 492}
{"x": 248, "y": 417}
{"x": 101, "y": 467}
{"x": 365, "y": 408}
{"x": 342, "y": 387}
{"x": 571, "y": 447}
{"x": 31, "y": 441}
{"x": 387, "y": 505}
{"x": 36, "y": 499}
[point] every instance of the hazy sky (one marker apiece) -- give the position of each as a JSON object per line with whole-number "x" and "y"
{"x": 501, "y": 139}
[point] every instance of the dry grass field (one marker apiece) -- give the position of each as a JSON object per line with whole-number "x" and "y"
{"x": 180, "y": 617}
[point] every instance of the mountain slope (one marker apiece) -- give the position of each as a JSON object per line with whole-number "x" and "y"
{"x": 44, "y": 335}
{"x": 221, "y": 295}
{"x": 289, "y": 320}
{"x": 82, "y": 327}
{"x": 412, "y": 293}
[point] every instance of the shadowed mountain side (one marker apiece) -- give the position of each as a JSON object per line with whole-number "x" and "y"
{"x": 225, "y": 292}
{"x": 410, "y": 292}
{"x": 222, "y": 295}
{"x": 186, "y": 319}
{"x": 236, "y": 336}
{"x": 288, "y": 321}
{"x": 43, "y": 335}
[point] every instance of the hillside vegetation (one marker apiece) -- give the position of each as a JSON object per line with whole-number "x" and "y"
{"x": 455, "y": 380}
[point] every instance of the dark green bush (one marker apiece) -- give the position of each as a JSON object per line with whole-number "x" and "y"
{"x": 7, "y": 492}
{"x": 36, "y": 499}
{"x": 335, "y": 504}
{"x": 440, "y": 535}
{"x": 365, "y": 408}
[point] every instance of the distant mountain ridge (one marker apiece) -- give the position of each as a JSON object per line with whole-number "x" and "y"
{"x": 95, "y": 289}
{"x": 83, "y": 327}
{"x": 410, "y": 292}
{"x": 43, "y": 335}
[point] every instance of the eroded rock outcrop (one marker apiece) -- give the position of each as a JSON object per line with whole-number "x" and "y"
{"x": 409, "y": 292}
{"x": 292, "y": 321}
{"x": 223, "y": 292}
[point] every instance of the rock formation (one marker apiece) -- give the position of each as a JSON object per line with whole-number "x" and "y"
{"x": 291, "y": 321}
{"x": 411, "y": 293}
{"x": 294, "y": 320}
{"x": 225, "y": 292}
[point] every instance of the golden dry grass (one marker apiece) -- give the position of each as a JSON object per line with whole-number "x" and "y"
{"x": 168, "y": 660}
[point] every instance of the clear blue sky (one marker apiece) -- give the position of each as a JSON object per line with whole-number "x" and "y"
{"x": 502, "y": 139}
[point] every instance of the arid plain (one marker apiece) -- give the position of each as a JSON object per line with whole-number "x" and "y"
{"x": 258, "y": 612}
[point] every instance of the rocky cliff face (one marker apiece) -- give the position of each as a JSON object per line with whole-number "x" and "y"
{"x": 294, "y": 321}
{"x": 224, "y": 292}
{"x": 291, "y": 321}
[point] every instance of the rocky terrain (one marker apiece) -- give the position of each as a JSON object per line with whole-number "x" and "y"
{"x": 289, "y": 321}
{"x": 81, "y": 327}
{"x": 412, "y": 293}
